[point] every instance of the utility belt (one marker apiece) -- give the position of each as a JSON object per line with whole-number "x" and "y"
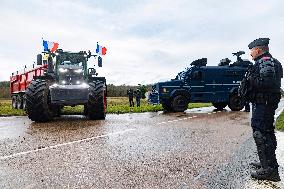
{"x": 265, "y": 98}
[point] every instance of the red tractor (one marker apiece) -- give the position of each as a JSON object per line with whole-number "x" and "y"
{"x": 59, "y": 79}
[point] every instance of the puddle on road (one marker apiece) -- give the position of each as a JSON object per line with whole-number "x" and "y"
{"x": 13, "y": 127}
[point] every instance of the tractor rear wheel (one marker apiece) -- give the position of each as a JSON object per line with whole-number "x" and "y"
{"x": 97, "y": 104}
{"x": 235, "y": 103}
{"x": 220, "y": 105}
{"x": 37, "y": 99}
{"x": 179, "y": 103}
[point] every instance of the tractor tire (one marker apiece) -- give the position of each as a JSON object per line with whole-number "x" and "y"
{"x": 97, "y": 104}
{"x": 235, "y": 103}
{"x": 179, "y": 103}
{"x": 85, "y": 111}
{"x": 219, "y": 105}
{"x": 14, "y": 102}
{"x": 167, "y": 107}
{"x": 38, "y": 105}
{"x": 57, "y": 111}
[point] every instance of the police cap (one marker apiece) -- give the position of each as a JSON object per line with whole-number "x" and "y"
{"x": 259, "y": 42}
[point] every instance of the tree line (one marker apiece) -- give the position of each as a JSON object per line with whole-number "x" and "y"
{"x": 112, "y": 90}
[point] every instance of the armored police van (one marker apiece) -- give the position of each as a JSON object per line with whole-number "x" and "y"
{"x": 201, "y": 83}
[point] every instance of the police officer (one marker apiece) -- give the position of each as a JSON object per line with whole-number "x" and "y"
{"x": 138, "y": 97}
{"x": 264, "y": 82}
{"x": 130, "y": 97}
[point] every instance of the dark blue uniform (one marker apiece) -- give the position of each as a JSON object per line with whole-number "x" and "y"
{"x": 138, "y": 97}
{"x": 265, "y": 83}
{"x": 130, "y": 97}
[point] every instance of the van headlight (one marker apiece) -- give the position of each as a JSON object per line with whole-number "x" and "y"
{"x": 62, "y": 70}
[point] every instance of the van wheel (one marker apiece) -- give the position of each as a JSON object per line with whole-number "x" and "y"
{"x": 235, "y": 103}
{"x": 220, "y": 105}
{"x": 179, "y": 103}
{"x": 166, "y": 107}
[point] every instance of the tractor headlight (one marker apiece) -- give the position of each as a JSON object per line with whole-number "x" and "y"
{"x": 78, "y": 71}
{"x": 62, "y": 70}
{"x": 54, "y": 85}
{"x": 84, "y": 85}
{"x": 165, "y": 90}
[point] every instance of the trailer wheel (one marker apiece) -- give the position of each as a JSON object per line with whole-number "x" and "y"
{"x": 167, "y": 107}
{"x": 14, "y": 102}
{"x": 19, "y": 102}
{"x": 220, "y": 105}
{"x": 24, "y": 103}
{"x": 235, "y": 103}
{"x": 38, "y": 105}
{"x": 97, "y": 104}
{"x": 179, "y": 103}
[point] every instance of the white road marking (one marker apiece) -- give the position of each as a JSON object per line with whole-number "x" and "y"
{"x": 208, "y": 113}
{"x": 64, "y": 144}
{"x": 214, "y": 112}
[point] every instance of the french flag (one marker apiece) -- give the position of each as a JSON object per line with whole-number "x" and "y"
{"x": 101, "y": 50}
{"x": 47, "y": 45}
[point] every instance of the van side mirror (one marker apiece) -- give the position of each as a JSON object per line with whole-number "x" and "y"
{"x": 39, "y": 59}
{"x": 100, "y": 61}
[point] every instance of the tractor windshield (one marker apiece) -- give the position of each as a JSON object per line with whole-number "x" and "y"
{"x": 71, "y": 73}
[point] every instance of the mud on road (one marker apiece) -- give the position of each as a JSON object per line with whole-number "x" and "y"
{"x": 201, "y": 148}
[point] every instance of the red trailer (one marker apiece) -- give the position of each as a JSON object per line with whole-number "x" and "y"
{"x": 19, "y": 82}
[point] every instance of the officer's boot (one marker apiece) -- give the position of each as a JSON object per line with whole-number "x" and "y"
{"x": 256, "y": 164}
{"x": 266, "y": 172}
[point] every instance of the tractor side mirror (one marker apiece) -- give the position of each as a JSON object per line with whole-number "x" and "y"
{"x": 39, "y": 59}
{"x": 100, "y": 61}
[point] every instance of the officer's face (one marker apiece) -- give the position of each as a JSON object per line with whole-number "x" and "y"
{"x": 255, "y": 52}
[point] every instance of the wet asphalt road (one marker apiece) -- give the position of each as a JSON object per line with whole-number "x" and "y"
{"x": 201, "y": 148}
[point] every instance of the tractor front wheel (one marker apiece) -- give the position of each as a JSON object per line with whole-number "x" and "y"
{"x": 97, "y": 104}
{"x": 37, "y": 99}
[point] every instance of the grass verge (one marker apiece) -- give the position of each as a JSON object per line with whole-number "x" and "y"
{"x": 116, "y": 105}
{"x": 280, "y": 122}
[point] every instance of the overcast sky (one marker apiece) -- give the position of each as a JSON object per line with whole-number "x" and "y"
{"x": 147, "y": 41}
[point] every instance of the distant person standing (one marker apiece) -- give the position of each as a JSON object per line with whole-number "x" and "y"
{"x": 130, "y": 97}
{"x": 138, "y": 97}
